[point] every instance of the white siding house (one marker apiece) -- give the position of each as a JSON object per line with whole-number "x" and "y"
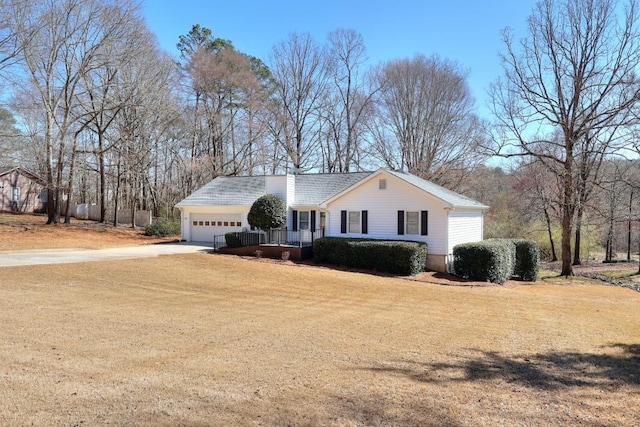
{"x": 379, "y": 205}
{"x": 405, "y": 207}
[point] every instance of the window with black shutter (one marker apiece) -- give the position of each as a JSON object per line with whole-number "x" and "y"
{"x": 400, "y": 223}
{"x": 365, "y": 222}
{"x": 424, "y": 223}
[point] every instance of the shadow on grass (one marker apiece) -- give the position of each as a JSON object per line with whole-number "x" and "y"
{"x": 548, "y": 371}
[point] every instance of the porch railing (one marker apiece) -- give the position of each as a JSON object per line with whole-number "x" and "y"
{"x": 276, "y": 236}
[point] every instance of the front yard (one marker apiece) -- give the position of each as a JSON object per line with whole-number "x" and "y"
{"x": 219, "y": 340}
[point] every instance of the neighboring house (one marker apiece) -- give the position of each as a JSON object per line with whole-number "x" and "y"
{"x": 21, "y": 190}
{"x": 380, "y": 205}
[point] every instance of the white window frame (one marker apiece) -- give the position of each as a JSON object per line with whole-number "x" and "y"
{"x": 413, "y": 223}
{"x": 304, "y": 224}
{"x": 354, "y": 227}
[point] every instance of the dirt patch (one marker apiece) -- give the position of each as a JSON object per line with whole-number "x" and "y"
{"x": 28, "y": 232}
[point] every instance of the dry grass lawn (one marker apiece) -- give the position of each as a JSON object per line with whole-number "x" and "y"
{"x": 27, "y": 232}
{"x": 219, "y": 340}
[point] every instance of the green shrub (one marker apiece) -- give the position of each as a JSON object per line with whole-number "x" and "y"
{"x": 267, "y": 212}
{"x": 497, "y": 260}
{"x": 391, "y": 256}
{"x": 527, "y": 260}
{"x": 491, "y": 260}
{"x": 162, "y": 228}
{"x": 238, "y": 239}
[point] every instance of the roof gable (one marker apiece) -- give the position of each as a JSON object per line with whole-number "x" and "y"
{"x": 314, "y": 189}
{"x": 4, "y": 170}
{"x": 451, "y": 198}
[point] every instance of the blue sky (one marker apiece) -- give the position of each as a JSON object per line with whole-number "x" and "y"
{"x": 466, "y": 31}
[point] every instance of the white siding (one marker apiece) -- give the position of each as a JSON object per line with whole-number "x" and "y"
{"x": 291, "y": 190}
{"x": 464, "y": 227}
{"x": 383, "y": 206}
{"x": 276, "y": 184}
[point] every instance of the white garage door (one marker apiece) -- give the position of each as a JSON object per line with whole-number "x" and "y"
{"x": 205, "y": 226}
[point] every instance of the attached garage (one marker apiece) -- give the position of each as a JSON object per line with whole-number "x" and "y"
{"x": 204, "y": 226}
{"x": 220, "y": 207}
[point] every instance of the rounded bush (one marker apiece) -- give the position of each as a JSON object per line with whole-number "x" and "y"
{"x": 267, "y": 212}
{"x": 527, "y": 260}
{"x": 497, "y": 260}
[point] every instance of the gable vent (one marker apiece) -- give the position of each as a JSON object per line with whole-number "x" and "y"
{"x": 382, "y": 184}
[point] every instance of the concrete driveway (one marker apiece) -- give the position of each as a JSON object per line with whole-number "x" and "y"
{"x": 63, "y": 256}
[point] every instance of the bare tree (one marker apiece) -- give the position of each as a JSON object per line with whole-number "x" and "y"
{"x": 574, "y": 74}
{"x": 59, "y": 43}
{"x": 9, "y": 45}
{"x": 426, "y": 123}
{"x": 348, "y": 102}
{"x": 147, "y": 115}
{"x": 542, "y": 190}
{"x": 299, "y": 71}
{"x": 103, "y": 95}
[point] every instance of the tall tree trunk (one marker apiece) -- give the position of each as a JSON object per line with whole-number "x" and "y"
{"x": 554, "y": 256}
{"x": 67, "y": 215}
{"x": 134, "y": 199}
{"x": 609, "y": 254}
{"x": 567, "y": 212}
{"x": 578, "y": 237}
{"x": 51, "y": 199}
{"x": 103, "y": 185}
{"x": 117, "y": 192}
{"x": 59, "y": 170}
{"x": 629, "y": 226}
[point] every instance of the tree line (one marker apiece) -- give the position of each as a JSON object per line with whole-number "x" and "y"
{"x": 110, "y": 118}
{"x": 106, "y": 116}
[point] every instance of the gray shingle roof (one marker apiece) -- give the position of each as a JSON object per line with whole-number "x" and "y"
{"x": 451, "y": 197}
{"x": 313, "y": 189}
{"x": 310, "y": 190}
{"x": 227, "y": 190}
{"x": 4, "y": 169}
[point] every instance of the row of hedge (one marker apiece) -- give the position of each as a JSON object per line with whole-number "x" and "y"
{"x": 497, "y": 260}
{"x": 390, "y": 256}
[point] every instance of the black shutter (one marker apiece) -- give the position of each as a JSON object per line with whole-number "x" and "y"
{"x": 294, "y": 220}
{"x": 313, "y": 221}
{"x": 400, "y": 223}
{"x": 424, "y": 223}
{"x": 343, "y": 222}
{"x": 365, "y": 220}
